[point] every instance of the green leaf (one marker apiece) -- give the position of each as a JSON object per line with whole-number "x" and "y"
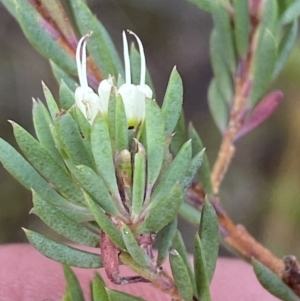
{"x": 74, "y": 288}
{"x": 124, "y": 170}
{"x": 33, "y": 27}
{"x": 168, "y": 158}
{"x": 175, "y": 173}
{"x": 63, "y": 253}
{"x": 265, "y": 53}
{"x": 218, "y": 106}
{"x": 180, "y": 135}
{"x": 204, "y": 170}
{"x": 121, "y": 127}
{"x": 100, "y": 44}
{"x": 135, "y": 65}
{"x": 46, "y": 165}
{"x": 102, "y": 152}
{"x": 263, "y": 64}
{"x": 224, "y": 31}
{"x": 66, "y": 96}
{"x": 291, "y": 13}
{"x": 179, "y": 246}
{"x": 83, "y": 124}
{"x": 98, "y": 288}
{"x": 192, "y": 171}
{"x": 94, "y": 185}
{"x": 139, "y": 181}
{"x": 172, "y": 103}
{"x": 223, "y": 78}
{"x": 181, "y": 275}
{"x": 128, "y": 261}
{"x": 51, "y": 103}
{"x": 272, "y": 283}
{"x": 241, "y": 26}
{"x": 120, "y": 296}
{"x": 23, "y": 172}
{"x": 190, "y": 213}
{"x": 269, "y": 16}
{"x": 285, "y": 46}
{"x": 162, "y": 212}
{"x": 283, "y": 5}
{"x": 71, "y": 141}
{"x": 105, "y": 223}
{"x": 117, "y": 123}
{"x": 60, "y": 75}
{"x": 133, "y": 248}
{"x": 202, "y": 281}
{"x": 41, "y": 122}
{"x": 11, "y": 6}
{"x": 62, "y": 224}
{"x": 67, "y": 296}
{"x": 111, "y": 119}
{"x": 209, "y": 234}
{"x": 154, "y": 141}
{"x": 202, "y": 4}
{"x": 164, "y": 241}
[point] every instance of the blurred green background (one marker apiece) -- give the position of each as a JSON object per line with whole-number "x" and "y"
{"x": 262, "y": 188}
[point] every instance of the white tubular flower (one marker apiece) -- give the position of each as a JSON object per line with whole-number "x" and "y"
{"x": 85, "y": 98}
{"x": 104, "y": 91}
{"x": 133, "y": 96}
{"x": 145, "y": 89}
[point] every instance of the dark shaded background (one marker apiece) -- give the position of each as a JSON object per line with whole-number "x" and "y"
{"x": 262, "y": 188}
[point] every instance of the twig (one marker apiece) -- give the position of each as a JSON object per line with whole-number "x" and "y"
{"x": 241, "y": 241}
{"x": 237, "y": 116}
{"x": 156, "y": 276}
{"x": 65, "y": 42}
{"x": 236, "y": 236}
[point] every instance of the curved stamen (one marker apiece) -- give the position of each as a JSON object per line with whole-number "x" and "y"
{"x": 78, "y": 60}
{"x": 126, "y": 60}
{"x": 81, "y": 62}
{"x": 143, "y": 60}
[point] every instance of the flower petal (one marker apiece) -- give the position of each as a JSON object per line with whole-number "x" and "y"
{"x": 88, "y": 102}
{"x": 104, "y": 91}
{"x": 146, "y": 90}
{"x": 134, "y": 103}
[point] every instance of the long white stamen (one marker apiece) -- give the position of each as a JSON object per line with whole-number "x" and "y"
{"x": 143, "y": 60}
{"x": 126, "y": 60}
{"x": 84, "y": 78}
{"x": 78, "y": 60}
{"x": 81, "y": 62}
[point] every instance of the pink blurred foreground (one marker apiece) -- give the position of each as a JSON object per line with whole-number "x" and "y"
{"x": 26, "y": 275}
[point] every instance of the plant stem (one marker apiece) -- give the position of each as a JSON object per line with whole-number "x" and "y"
{"x": 227, "y": 148}
{"x": 67, "y": 43}
{"x": 238, "y": 111}
{"x": 158, "y": 278}
{"x": 236, "y": 237}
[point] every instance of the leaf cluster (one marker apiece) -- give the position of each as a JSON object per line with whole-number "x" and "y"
{"x": 249, "y": 43}
{"x": 87, "y": 180}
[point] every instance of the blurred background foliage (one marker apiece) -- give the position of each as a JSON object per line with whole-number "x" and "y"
{"x": 262, "y": 188}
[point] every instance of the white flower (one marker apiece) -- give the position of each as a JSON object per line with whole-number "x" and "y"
{"x": 133, "y": 96}
{"x": 104, "y": 91}
{"x": 85, "y": 98}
